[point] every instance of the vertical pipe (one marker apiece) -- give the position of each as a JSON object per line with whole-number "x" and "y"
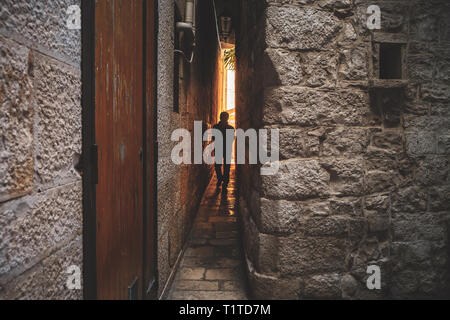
{"x": 189, "y": 16}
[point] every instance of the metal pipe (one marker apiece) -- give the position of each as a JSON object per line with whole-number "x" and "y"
{"x": 188, "y": 26}
{"x": 189, "y": 16}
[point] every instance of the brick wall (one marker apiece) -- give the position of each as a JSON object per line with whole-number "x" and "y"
{"x": 364, "y": 177}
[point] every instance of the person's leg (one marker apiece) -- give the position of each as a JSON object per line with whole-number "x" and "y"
{"x": 219, "y": 175}
{"x": 226, "y": 173}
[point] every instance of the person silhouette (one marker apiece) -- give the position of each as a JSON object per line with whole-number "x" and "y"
{"x": 223, "y": 126}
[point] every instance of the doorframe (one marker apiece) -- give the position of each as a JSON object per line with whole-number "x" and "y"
{"x": 88, "y": 140}
{"x": 89, "y": 154}
{"x": 150, "y": 118}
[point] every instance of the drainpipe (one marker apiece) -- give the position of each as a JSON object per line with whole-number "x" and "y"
{"x": 188, "y": 27}
{"x": 189, "y": 21}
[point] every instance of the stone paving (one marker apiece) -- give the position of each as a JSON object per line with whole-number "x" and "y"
{"x": 211, "y": 268}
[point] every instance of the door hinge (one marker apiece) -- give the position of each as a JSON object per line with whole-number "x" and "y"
{"x": 94, "y": 153}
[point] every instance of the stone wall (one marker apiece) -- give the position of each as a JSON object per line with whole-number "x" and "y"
{"x": 180, "y": 188}
{"x": 364, "y": 177}
{"x": 40, "y": 145}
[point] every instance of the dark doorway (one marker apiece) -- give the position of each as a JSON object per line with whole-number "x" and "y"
{"x": 119, "y": 150}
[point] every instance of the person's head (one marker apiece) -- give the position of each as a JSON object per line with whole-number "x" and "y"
{"x": 224, "y": 117}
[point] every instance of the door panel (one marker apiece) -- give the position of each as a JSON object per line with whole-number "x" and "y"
{"x": 119, "y": 120}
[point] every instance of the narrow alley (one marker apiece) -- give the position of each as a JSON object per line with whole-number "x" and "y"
{"x": 212, "y": 267}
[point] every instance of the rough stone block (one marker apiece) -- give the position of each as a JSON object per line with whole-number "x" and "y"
{"x": 44, "y": 25}
{"x": 48, "y": 280}
{"x": 443, "y": 70}
{"x": 320, "y": 69}
{"x": 296, "y": 180}
{"x": 435, "y": 92}
{"x": 371, "y": 251}
{"x": 268, "y": 287}
{"x": 16, "y": 121}
{"x": 308, "y": 107}
{"x": 324, "y": 226}
{"x": 278, "y": 216}
{"x": 424, "y": 27}
{"x": 298, "y": 255}
{"x": 58, "y": 95}
{"x": 419, "y": 284}
{"x": 323, "y": 286}
{"x": 346, "y": 206}
{"x": 439, "y": 198}
{"x": 433, "y": 170}
{"x": 316, "y": 32}
{"x": 282, "y": 217}
{"x": 417, "y": 254}
{"x": 410, "y": 199}
{"x": 353, "y": 64}
{"x": 357, "y": 228}
{"x": 377, "y": 221}
{"x": 251, "y": 237}
{"x": 419, "y": 226}
{"x": 346, "y": 176}
{"x": 35, "y": 225}
{"x": 377, "y": 159}
{"x": 417, "y": 108}
{"x": 349, "y": 35}
{"x": 345, "y": 141}
{"x": 335, "y": 4}
{"x": 394, "y": 16}
{"x": 426, "y": 123}
{"x": 380, "y": 181}
{"x": 389, "y": 140}
{"x": 349, "y": 286}
{"x": 378, "y": 203}
{"x": 268, "y": 254}
{"x": 295, "y": 143}
{"x": 420, "y": 68}
{"x": 282, "y": 67}
{"x": 444, "y": 144}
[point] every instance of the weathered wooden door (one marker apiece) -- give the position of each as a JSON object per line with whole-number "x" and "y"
{"x": 119, "y": 133}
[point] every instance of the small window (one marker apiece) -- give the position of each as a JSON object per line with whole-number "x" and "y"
{"x": 391, "y": 61}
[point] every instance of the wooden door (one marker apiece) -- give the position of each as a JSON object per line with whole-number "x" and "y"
{"x": 119, "y": 134}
